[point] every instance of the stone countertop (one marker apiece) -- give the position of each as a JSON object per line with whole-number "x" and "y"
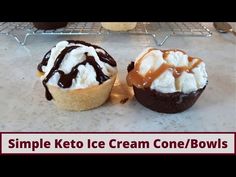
{"x": 23, "y": 106}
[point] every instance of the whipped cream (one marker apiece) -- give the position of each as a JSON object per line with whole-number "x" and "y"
{"x": 85, "y": 74}
{"x": 177, "y": 58}
{"x": 178, "y": 71}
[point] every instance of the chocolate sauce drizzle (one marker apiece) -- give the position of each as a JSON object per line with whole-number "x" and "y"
{"x": 106, "y": 58}
{"x": 44, "y": 61}
{"x": 65, "y": 80}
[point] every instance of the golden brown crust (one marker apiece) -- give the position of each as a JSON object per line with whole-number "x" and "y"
{"x": 119, "y": 26}
{"x": 82, "y": 99}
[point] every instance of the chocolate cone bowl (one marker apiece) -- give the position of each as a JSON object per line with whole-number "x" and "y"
{"x": 49, "y": 25}
{"x": 167, "y": 81}
{"x": 166, "y": 102}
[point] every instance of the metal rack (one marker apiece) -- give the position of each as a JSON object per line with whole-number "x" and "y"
{"x": 160, "y": 31}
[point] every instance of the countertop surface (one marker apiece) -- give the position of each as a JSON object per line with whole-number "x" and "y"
{"x": 23, "y": 106}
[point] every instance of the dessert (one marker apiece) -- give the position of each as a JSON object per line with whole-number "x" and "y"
{"x": 119, "y": 26}
{"x": 49, "y": 25}
{"x": 167, "y": 81}
{"x": 77, "y": 75}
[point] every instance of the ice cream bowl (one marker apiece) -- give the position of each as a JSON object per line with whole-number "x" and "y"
{"x": 167, "y": 81}
{"x": 77, "y": 75}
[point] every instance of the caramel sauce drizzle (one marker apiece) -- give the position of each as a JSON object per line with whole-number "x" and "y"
{"x": 136, "y": 79}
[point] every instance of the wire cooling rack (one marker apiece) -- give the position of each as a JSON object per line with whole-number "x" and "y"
{"x": 160, "y": 31}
